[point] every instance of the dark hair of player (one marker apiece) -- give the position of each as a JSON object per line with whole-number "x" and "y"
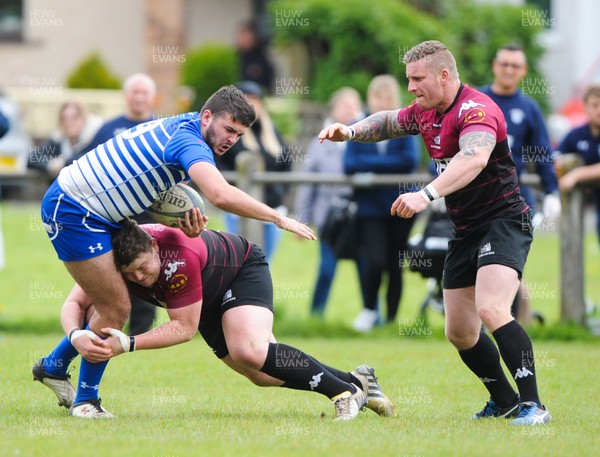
{"x": 130, "y": 242}
{"x": 231, "y": 100}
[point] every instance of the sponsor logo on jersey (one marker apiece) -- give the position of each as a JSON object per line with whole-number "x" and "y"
{"x": 475, "y": 115}
{"x": 177, "y": 283}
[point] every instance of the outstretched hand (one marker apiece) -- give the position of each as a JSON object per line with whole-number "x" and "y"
{"x": 294, "y": 226}
{"x": 335, "y": 132}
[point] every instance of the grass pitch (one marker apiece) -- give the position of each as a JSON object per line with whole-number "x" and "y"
{"x": 182, "y": 401}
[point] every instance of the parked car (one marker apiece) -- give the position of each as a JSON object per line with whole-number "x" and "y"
{"x": 16, "y": 144}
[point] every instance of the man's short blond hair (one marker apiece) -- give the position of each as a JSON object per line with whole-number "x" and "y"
{"x": 437, "y": 55}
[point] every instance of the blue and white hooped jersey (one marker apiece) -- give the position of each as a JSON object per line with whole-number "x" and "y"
{"x": 123, "y": 176}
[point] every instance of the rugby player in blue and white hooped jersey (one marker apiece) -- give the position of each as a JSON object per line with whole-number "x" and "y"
{"x": 464, "y": 131}
{"x": 120, "y": 178}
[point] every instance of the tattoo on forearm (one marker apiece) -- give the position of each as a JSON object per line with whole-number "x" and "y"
{"x": 471, "y": 143}
{"x": 377, "y": 127}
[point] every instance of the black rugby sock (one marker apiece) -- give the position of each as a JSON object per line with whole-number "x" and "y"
{"x": 483, "y": 359}
{"x": 517, "y": 352}
{"x": 300, "y": 371}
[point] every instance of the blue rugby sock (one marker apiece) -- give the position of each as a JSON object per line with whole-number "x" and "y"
{"x": 90, "y": 375}
{"x": 57, "y": 362}
{"x": 88, "y": 385}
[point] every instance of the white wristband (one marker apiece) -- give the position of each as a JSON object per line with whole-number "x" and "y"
{"x": 352, "y": 133}
{"x": 127, "y": 342}
{"x": 424, "y": 195}
{"x": 77, "y": 333}
{"x": 431, "y": 193}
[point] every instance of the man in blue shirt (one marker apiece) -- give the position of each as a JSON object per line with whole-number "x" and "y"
{"x": 528, "y": 140}
{"x": 585, "y": 141}
{"x": 527, "y": 134}
{"x": 139, "y": 91}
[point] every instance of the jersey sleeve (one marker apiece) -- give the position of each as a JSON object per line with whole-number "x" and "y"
{"x": 188, "y": 147}
{"x": 181, "y": 276}
{"x": 484, "y": 116}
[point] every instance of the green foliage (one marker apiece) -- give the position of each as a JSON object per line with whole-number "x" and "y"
{"x": 350, "y": 44}
{"x": 478, "y": 30}
{"x": 208, "y": 68}
{"x": 93, "y": 73}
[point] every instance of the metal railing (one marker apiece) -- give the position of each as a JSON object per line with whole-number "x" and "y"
{"x": 251, "y": 178}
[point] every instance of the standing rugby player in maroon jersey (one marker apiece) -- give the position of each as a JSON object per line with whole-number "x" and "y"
{"x": 464, "y": 132}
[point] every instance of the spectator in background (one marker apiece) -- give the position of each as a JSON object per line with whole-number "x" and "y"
{"x": 139, "y": 90}
{"x": 264, "y": 139}
{"x": 76, "y": 130}
{"x": 312, "y": 201}
{"x": 383, "y": 238}
{"x": 527, "y": 133}
{"x": 585, "y": 141}
{"x": 255, "y": 64}
{"x": 529, "y": 143}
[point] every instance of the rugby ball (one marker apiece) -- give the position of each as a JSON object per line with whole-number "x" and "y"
{"x": 173, "y": 203}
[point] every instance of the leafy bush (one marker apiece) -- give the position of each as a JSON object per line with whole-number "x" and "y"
{"x": 93, "y": 73}
{"x": 349, "y": 44}
{"x": 207, "y": 69}
{"x": 475, "y": 41}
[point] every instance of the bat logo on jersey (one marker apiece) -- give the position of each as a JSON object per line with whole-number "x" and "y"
{"x": 468, "y": 105}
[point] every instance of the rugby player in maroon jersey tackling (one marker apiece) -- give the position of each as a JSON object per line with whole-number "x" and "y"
{"x": 218, "y": 284}
{"x": 464, "y": 132}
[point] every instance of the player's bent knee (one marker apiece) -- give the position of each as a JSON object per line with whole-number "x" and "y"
{"x": 249, "y": 357}
{"x": 461, "y": 340}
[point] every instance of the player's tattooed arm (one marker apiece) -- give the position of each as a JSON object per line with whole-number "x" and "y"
{"x": 477, "y": 142}
{"x": 475, "y": 150}
{"x": 377, "y": 127}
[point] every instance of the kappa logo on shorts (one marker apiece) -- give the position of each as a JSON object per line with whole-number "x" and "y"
{"x": 486, "y": 249}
